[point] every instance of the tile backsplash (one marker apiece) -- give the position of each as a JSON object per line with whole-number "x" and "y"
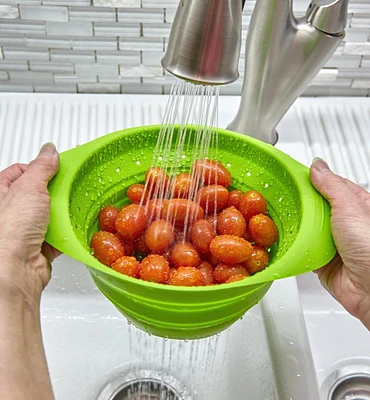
{"x": 115, "y": 46}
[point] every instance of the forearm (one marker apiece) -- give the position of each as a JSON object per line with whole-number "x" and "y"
{"x": 23, "y": 369}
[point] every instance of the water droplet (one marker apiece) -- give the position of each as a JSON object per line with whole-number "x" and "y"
{"x": 65, "y": 239}
{"x": 138, "y": 162}
{"x": 118, "y": 169}
{"x": 249, "y": 173}
{"x": 266, "y": 185}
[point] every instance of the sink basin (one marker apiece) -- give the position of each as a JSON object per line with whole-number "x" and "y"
{"x": 284, "y": 348}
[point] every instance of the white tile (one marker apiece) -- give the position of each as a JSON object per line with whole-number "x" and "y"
{"x": 355, "y": 73}
{"x": 119, "y": 57}
{"x": 66, "y": 88}
{"x": 118, "y": 79}
{"x": 44, "y": 13}
{"x": 141, "y": 44}
{"x": 357, "y": 34}
{"x": 1, "y": 53}
{"x": 157, "y": 30}
{"x": 326, "y": 74}
{"x": 99, "y": 88}
{"x": 83, "y": 70}
{"x": 170, "y": 14}
{"x": 4, "y": 76}
{"x": 333, "y": 91}
{"x": 160, "y": 3}
{"x": 154, "y": 15}
{"x": 71, "y": 56}
{"x": 8, "y": 12}
{"x": 55, "y": 67}
{"x": 365, "y": 62}
{"x": 31, "y": 77}
{"x": 357, "y": 49}
{"x": 33, "y": 2}
{"x": 67, "y": 2}
{"x": 14, "y": 87}
{"x": 18, "y": 26}
{"x": 141, "y": 70}
{"x": 92, "y": 14}
{"x": 344, "y": 61}
{"x": 152, "y": 57}
{"x": 11, "y": 39}
{"x": 25, "y": 54}
{"x": 6, "y": 65}
{"x": 360, "y": 21}
{"x": 117, "y": 3}
{"x": 141, "y": 88}
{"x": 48, "y": 41}
{"x": 69, "y": 28}
{"x": 117, "y": 29}
{"x": 94, "y": 43}
{"x": 62, "y": 79}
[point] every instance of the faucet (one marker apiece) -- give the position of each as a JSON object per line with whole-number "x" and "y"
{"x": 283, "y": 53}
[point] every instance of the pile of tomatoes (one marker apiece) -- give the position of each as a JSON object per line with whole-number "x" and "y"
{"x": 212, "y": 236}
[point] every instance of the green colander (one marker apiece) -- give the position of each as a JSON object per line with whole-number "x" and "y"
{"x": 98, "y": 174}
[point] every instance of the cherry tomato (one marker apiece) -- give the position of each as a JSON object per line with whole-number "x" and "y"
{"x": 156, "y": 181}
{"x": 106, "y": 219}
{"x": 209, "y": 257}
{"x": 225, "y": 271}
{"x": 140, "y": 244}
{"x": 184, "y": 255}
{"x": 128, "y": 245}
{"x": 211, "y": 172}
{"x": 172, "y": 272}
{"x": 258, "y": 260}
{"x": 154, "y": 208}
{"x": 234, "y": 198}
{"x": 230, "y": 249}
{"x": 127, "y": 266}
{"x": 107, "y": 247}
{"x": 154, "y": 268}
{"x": 231, "y": 222}
{"x": 252, "y": 203}
{"x": 131, "y": 221}
{"x": 207, "y": 271}
{"x": 212, "y": 219}
{"x": 201, "y": 235}
{"x": 137, "y": 193}
{"x": 235, "y": 278}
{"x": 181, "y": 211}
{"x": 263, "y": 230}
{"x": 187, "y": 276}
{"x": 181, "y": 184}
{"x": 159, "y": 236}
{"x": 211, "y": 198}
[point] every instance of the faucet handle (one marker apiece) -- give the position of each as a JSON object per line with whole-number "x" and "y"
{"x": 328, "y": 16}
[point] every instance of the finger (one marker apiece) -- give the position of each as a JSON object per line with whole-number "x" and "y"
{"x": 43, "y": 167}
{"x": 49, "y": 252}
{"x": 10, "y": 175}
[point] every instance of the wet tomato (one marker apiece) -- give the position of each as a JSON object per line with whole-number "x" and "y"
{"x": 181, "y": 184}
{"x": 252, "y": 203}
{"x": 231, "y": 222}
{"x": 187, "y": 276}
{"x": 107, "y": 247}
{"x": 225, "y": 271}
{"x": 107, "y": 218}
{"x": 263, "y": 230}
{"x": 207, "y": 271}
{"x": 154, "y": 208}
{"x": 128, "y": 266}
{"x": 154, "y": 268}
{"x": 230, "y": 249}
{"x": 234, "y": 198}
{"x": 128, "y": 245}
{"x": 258, "y": 260}
{"x": 131, "y": 221}
{"x": 235, "y": 278}
{"x": 156, "y": 180}
{"x": 212, "y": 198}
{"x": 184, "y": 255}
{"x": 201, "y": 235}
{"x": 137, "y": 193}
{"x": 211, "y": 172}
{"x": 212, "y": 219}
{"x": 140, "y": 245}
{"x": 209, "y": 257}
{"x": 159, "y": 236}
{"x": 182, "y": 211}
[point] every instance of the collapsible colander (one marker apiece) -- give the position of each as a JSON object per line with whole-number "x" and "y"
{"x": 98, "y": 174}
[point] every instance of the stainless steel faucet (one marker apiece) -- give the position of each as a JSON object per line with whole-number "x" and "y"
{"x": 283, "y": 53}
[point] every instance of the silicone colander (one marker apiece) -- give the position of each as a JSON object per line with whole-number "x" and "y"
{"x": 98, "y": 174}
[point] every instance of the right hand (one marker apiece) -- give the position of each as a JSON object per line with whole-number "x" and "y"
{"x": 347, "y": 276}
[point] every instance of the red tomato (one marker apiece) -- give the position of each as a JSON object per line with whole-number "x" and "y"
{"x": 187, "y": 276}
{"x": 127, "y": 266}
{"x": 140, "y": 244}
{"x": 263, "y": 230}
{"x": 211, "y": 198}
{"x": 107, "y": 247}
{"x": 235, "y": 278}
{"x": 224, "y": 271}
{"x": 159, "y": 236}
{"x": 128, "y": 245}
{"x": 154, "y": 268}
{"x": 258, "y": 260}
{"x": 181, "y": 184}
{"x": 231, "y": 249}
{"x": 211, "y": 172}
{"x": 209, "y": 257}
{"x": 181, "y": 211}
{"x": 137, "y": 193}
{"x": 156, "y": 180}
{"x": 154, "y": 208}
{"x": 201, "y": 235}
{"x": 212, "y": 219}
{"x": 172, "y": 272}
{"x": 234, "y": 198}
{"x": 131, "y": 221}
{"x": 207, "y": 271}
{"x": 252, "y": 203}
{"x": 231, "y": 222}
{"x": 106, "y": 219}
{"x": 184, "y": 255}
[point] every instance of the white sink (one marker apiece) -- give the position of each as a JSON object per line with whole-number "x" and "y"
{"x": 270, "y": 353}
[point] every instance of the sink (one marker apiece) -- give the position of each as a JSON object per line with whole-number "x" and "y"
{"x": 285, "y": 347}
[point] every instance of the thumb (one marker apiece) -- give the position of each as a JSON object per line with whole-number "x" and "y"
{"x": 330, "y": 185}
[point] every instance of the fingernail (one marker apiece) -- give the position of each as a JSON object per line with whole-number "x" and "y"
{"x": 48, "y": 148}
{"x": 320, "y": 164}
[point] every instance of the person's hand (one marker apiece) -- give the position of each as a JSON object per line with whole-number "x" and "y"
{"x": 25, "y": 259}
{"x": 347, "y": 276}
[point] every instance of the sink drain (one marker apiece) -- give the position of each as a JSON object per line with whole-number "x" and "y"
{"x": 144, "y": 385}
{"x": 348, "y": 383}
